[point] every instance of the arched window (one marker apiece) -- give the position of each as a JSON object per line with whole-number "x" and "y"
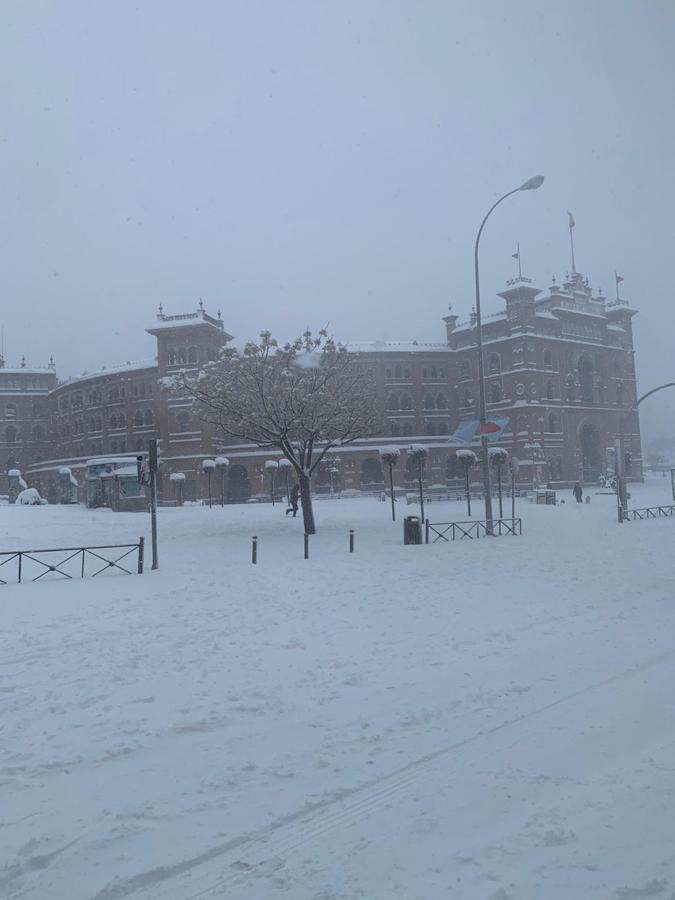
{"x": 113, "y": 421}
{"x": 496, "y": 393}
{"x": 406, "y": 373}
{"x": 138, "y": 418}
{"x": 38, "y": 433}
{"x": 99, "y": 423}
{"x": 387, "y": 373}
{"x": 172, "y": 356}
{"x": 443, "y": 428}
{"x": 548, "y": 359}
{"x": 617, "y": 368}
{"x": 398, "y": 372}
{"x": 464, "y": 369}
{"x": 406, "y": 430}
{"x": 36, "y": 411}
{"x": 148, "y": 417}
{"x": 429, "y": 402}
{"x": 430, "y": 428}
{"x": 550, "y": 391}
{"x": 92, "y": 424}
{"x": 122, "y": 420}
{"x": 441, "y": 372}
{"x": 139, "y": 443}
{"x": 586, "y": 378}
{"x": 142, "y": 389}
{"x": 10, "y": 434}
{"x": 619, "y": 394}
{"x": 434, "y": 373}
{"x": 113, "y": 446}
{"x": 441, "y": 402}
{"x": 134, "y": 391}
{"x": 406, "y": 401}
{"x": 116, "y": 393}
{"x": 392, "y": 403}
{"x": 425, "y": 372}
{"x": 394, "y": 430}
{"x": 10, "y": 411}
{"x": 494, "y": 364}
{"x": 192, "y": 355}
{"x": 183, "y": 420}
{"x": 182, "y": 356}
{"x": 552, "y": 422}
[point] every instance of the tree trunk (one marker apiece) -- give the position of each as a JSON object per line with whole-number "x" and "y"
{"x": 391, "y": 488}
{"x": 306, "y": 500}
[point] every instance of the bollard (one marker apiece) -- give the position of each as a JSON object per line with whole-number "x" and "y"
{"x": 306, "y": 546}
{"x": 426, "y": 532}
{"x": 141, "y": 543}
{"x": 254, "y": 550}
{"x": 351, "y": 540}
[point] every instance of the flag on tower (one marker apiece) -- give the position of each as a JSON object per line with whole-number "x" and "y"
{"x": 515, "y": 255}
{"x": 572, "y": 222}
{"x": 619, "y": 278}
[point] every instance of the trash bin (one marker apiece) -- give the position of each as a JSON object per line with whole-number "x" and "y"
{"x": 412, "y": 530}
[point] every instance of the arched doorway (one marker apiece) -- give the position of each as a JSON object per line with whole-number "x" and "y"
{"x": 371, "y": 473}
{"x": 238, "y": 485}
{"x": 591, "y": 457}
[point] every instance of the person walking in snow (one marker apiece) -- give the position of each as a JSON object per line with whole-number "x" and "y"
{"x": 578, "y": 492}
{"x": 294, "y": 497}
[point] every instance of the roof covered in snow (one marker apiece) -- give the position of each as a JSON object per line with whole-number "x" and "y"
{"x": 111, "y": 370}
{"x": 395, "y": 346}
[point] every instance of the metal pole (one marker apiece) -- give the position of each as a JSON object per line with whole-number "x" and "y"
{"x": 222, "y": 488}
{"x": 351, "y": 540}
{"x": 391, "y": 488}
{"x": 141, "y": 544}
{"x": 254, "y": 549}
{"x": 210, "y": 504}
{"x": 272, "y": 485}
{"x": 499, "y": 483}
{"x": 306, "y": 546}
{"x": 419, "y": 476}
{"x": 513, "y": 495}
{"x": 468, "y": 492}
{"x": 152, "y": 466}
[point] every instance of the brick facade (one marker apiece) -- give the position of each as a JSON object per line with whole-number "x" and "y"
{"x": 560, "y": 371}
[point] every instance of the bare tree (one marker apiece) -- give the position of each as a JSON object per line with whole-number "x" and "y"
{"x": 303, "y": 399}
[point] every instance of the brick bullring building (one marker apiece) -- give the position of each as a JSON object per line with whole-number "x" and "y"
{"x": 560, "y": 375}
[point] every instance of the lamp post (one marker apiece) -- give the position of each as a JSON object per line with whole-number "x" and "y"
{"x": 530, "y": 185}
{"x": 272, "y": 466}
{"x": 222, "y": 463}
{"x": 208, "y": 465}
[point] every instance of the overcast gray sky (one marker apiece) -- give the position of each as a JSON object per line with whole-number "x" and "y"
{"x": 302, "y": 162}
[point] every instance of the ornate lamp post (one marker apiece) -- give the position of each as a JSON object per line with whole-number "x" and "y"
{"x": 468, "y": 459}
{"x": 530, "y": 185}
{"x": 498, "y": 457}
{"x": 272, "y": 466}
{"x": 222, "y": 464}
{"x": 390, "y": 457}
{"x": 208, "y": 465}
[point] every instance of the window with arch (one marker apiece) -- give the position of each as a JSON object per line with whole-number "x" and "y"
{"x": 494, "y": 364}
{"x": 10, "y": 411}
{"x": 550, "y": 390}
{"x": 441, "y": 372}
{"x": 398, "y": 372}
{"x": 430, "y": 428}
{"x": 181, "y": 356}
{"x": 617, "y": 368}
{"x": 148, "y": 418}
{"x": 171, "y": 356}
{"x": 464, "y": 369}
{"x": 142, "y": 389}
{"x": 392, "y": 402}
{"x": 406, "y": 373}
{"x": 139, "y": 443}
{"x": 122, "y": 420}
{"x": 434, "y": 372}
{"x": 552, "y": 422}
{"x": 548, "y": 359}
{"x": 406, "y": 429}
{"x": 394, "y": 430}
{"x": 406, "y": 401}
{"x": 113, "y": 445}
{"x": 99, "y": 423}
{"x": 443, "y": 428}
{"x": 192, "y": 355}
{"x": 36, "y": 411}
{"x": 429, "y": 402}
{"x": 387, "y": 373}
{"x": 619, "y": 394}
{"x": 112, "y": 423}
{"x": 138, "y": 418}
{"x": 425, "y": 372}
{"x": 496, "y": 395}
{"x": 441, "y": 401}
{"x": 10, "y": 434}
{"x": 92, "y": 424}
{"x": 183, "y": 421}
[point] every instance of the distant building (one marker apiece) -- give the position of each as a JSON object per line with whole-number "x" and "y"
{"x": 561, "y": 387}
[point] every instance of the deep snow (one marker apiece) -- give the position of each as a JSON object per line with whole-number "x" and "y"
{"x": 482, "y": 720}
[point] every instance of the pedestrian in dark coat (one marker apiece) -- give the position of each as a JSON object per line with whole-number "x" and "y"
{"x": 578, "y": 492}
{"x": 295, "y": 496}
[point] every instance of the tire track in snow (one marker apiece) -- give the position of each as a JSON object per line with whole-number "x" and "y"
{"x": 296, "y": 829}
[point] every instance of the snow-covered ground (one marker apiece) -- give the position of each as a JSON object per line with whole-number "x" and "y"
{"x": 485, "y": 719}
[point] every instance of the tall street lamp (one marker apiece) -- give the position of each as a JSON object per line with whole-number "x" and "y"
{"x": 531, "y": 185}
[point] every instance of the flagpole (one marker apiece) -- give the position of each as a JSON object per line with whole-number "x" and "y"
{"x": 520, "y": 273}
{"x": 616, "y": 282}
{"x": 574, "y": 268}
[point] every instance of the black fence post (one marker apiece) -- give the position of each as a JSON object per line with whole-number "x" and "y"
{"x": 141, "y": 548}
{"x": 254, "y": 549}
{"x": 306, "y": 546}
{"x": 351, "y": 540}
{"x": 426, "y": 532}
